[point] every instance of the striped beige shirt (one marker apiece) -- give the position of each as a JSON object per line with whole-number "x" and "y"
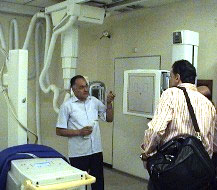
{"x": 172, "y": 119}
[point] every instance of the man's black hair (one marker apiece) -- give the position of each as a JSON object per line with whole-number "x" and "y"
{"x": 186, "y": 71}
{"x": 73, "y": 80}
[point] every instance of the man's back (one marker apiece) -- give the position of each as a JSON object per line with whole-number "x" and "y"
{"x": 172, "y": 117}
{"x": 181, "y": 122}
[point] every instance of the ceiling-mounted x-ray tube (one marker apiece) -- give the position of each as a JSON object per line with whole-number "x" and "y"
{"x": 53, "y": 87}
{"x": 55, "y": 34}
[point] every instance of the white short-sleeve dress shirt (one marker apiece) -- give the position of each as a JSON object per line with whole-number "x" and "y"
{"x": 75, "y": 114}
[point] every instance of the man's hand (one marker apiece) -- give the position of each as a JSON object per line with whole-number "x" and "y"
{"x": 86, "y": 130}
{"x": 110, "y": 97}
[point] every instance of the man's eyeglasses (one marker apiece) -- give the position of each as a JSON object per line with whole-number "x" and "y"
{"x": 83, "y": 87}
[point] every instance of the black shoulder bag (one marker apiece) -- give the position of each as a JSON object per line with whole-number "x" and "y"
{"x": 182, "y": 163}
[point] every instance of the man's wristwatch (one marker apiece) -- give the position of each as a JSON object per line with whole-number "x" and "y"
{"x": 109, "y": 106}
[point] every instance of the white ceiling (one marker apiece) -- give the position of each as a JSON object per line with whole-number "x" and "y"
{"x": 30, "y": 7}
{"x": 45, "y": 3}
{"x": 37, "y": 3}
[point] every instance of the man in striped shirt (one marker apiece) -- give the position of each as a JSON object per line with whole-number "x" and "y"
{"x": 172, "y": 117}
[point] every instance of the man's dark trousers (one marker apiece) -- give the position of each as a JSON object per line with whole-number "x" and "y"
{"x": 93, "y": 164}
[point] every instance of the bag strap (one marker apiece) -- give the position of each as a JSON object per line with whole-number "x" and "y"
{"x": 191, "y": 110}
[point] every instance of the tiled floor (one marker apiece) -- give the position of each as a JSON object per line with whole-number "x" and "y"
{"x": 115, "y": 180}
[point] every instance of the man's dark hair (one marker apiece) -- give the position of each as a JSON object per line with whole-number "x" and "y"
{"x": 186, "y": 71}
{"x": 73, "y": 80}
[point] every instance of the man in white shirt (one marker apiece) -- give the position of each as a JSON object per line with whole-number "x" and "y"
{"x": 78, "y": 120}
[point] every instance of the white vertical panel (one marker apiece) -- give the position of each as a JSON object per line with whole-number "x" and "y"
{"x": 17, "y": 90}
{"x": 186, "y": 52}
{"x": 181, "y": 51}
